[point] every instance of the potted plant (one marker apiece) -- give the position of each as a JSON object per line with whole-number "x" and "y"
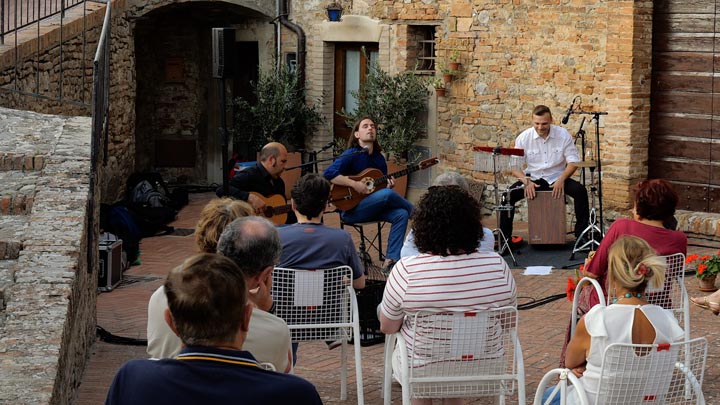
{"x": 277, "y": 113}
{"x": 394, "y": 102}
{"x": 439, "y": 86}
{"x": 707, "y": 269}
{"x": 447, "y": 73}
{"x": 334, "y": 11}
{"x": 454, "y": 65}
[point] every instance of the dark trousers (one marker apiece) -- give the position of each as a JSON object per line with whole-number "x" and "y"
{"x": 572, "y": 188}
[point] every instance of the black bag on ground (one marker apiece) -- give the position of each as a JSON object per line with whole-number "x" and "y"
{"x": 149, "y": 203}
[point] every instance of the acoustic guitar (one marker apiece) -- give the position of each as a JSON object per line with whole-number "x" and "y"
{"x": 346, "y": 198}
{"x": 276, "y": 208}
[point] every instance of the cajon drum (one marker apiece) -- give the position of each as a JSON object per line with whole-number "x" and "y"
{"x": 546, "y": 219}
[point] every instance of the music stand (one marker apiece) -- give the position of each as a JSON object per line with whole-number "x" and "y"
{"x": 503, "y": 242}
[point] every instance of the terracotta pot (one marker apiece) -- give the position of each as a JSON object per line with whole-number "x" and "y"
{"x": 454, "y": 65}
{"x": 440, "y": 92}
{"x": 447, "y": 77}
{"x": 707, "y": 284}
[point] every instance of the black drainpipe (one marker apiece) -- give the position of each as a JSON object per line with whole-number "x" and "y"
{"x": 301, "y": 42}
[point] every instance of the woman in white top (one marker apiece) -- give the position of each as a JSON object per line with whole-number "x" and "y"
{"x": 632, "y": 267}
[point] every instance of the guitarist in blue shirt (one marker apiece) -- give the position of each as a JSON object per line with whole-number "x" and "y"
{"x": 384, "y": 204}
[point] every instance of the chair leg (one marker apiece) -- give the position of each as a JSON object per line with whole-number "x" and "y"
{"x": 358, "y": 365}
{"x": 387, "y": 380}
{"x": 343, "y": 372}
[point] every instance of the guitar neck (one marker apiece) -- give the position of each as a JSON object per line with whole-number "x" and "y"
{"x": 400, "y": 173}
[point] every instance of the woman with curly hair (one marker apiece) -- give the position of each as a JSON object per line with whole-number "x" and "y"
{"x": 450, "y": 273}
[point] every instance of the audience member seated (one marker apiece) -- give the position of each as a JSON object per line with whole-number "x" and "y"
{"x": 447, "y": 229}
{"x": 309, "y": 244}
{"x": 269, "y": 337}
{"x": 655, "y": 202}
{"x": 632, "y": 266}
{"x": 208, "y": 308}
{"x": 487, "y": 242}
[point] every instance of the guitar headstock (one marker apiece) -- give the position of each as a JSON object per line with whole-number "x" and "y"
{"x": 428, "y": 163}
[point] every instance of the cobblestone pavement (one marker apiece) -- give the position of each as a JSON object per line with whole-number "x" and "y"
{"x": 123, "y": 312}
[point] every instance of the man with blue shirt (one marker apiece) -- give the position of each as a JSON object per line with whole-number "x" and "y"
{"x": 208, "y": 309}
{"x": 550, "y": 156}
{"x": 384, "y": 204}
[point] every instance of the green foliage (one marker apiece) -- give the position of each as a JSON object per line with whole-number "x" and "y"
{"x": 280, "y": 113}
{"x": 394, "y": 102}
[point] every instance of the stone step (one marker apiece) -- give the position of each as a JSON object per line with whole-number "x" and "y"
{"x": 17, "y": 192}
{"x": 12, "y": 229}
{"x": 21, "y": 161}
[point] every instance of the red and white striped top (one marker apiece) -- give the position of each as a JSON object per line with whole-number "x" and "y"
{"x": 476, "y": 281}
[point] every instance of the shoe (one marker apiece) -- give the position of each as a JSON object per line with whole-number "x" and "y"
{"x": 387, "y": 268}
{"x": 334, "y": 344}
{"x": 708, "y": 305}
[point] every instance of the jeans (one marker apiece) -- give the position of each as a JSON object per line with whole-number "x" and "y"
{"x": 385, "y": 205}
{"x": 546, "y": 395}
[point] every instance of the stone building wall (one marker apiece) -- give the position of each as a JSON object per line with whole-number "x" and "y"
{"x": 47, "y": 293}
{"x": 515, "y": 55}
{"x": 39, "y": 73}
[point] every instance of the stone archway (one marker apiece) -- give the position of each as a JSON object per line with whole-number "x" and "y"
{"x": 177, "y": 101}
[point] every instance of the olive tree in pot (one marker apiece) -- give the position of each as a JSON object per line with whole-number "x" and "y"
{"x": 280, "y": 113}
{"x": 395, "y": 103}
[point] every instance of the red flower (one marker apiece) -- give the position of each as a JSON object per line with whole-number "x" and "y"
{"x": 705, "y": 257}
{"x": 570, "y": 289}
{"x": 581, "y": 268}
{"x": 701, "y": 268}
{"x": 691, "y": 258}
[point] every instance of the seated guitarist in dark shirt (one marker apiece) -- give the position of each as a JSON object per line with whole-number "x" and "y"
{"x": 384, "y": 204}
{"x": 263, "y": 178}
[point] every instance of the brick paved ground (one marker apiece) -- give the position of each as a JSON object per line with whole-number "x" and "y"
{"x": 123, "y": 312}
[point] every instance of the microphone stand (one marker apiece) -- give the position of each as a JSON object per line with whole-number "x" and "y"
{"x": 596, "y": 116}
{"x": 316, "y": 161}
{"x": 581, "y": 134}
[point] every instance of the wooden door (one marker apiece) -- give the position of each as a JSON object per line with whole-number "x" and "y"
{"x": 685, "y": 117}
{"x": 351, "y": 69}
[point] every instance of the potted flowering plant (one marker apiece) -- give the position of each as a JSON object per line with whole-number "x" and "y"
{"x": 707, "y": 269}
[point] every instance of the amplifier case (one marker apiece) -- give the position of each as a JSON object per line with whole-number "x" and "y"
{"x": 110, "y": 272}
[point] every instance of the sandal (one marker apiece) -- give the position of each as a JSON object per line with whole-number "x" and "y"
{"x": 708, "y": 305}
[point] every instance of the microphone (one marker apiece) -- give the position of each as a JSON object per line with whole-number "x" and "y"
{"x": 569, "y": 111}
{"x": 328, "y": 146}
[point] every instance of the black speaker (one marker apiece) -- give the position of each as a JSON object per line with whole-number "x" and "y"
{"x": 224, "y": 58}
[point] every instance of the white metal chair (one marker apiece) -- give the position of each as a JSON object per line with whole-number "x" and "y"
{"x": 640, "y": 374}
{"x": 457, "y": 354}
{"x": 578, "y": 288}
{"x": 320, "y": 305}
{"x": 672, "y": 295}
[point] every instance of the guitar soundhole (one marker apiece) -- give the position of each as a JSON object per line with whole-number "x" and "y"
{"x": 370, "y": 184}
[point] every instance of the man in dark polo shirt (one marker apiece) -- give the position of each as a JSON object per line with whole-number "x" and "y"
{"x": 263, "y": 178}
{"x": 206, "y": 310}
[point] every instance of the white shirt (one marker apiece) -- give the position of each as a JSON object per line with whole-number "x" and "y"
{"x": 547, "y": 158}
{"x": 487, "y": 243}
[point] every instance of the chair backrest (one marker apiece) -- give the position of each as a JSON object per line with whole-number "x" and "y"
{"x": 457, "y": 354}
{"x": 653, "y": 374}
{"x": 672, "y": 295}
{"x": 316, "y": 304}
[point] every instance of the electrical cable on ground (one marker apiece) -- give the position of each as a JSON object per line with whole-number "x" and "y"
{"x": 108, "y": 337}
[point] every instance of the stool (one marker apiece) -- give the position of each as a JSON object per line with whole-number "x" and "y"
{"x": 372, "y": 243}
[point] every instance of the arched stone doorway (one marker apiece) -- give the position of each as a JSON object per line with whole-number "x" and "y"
{"x": 177, "y": 100}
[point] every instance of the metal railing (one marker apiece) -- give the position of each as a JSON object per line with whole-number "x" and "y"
{"x": 100, "y": 109}
{"x": 16, "y": 14}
